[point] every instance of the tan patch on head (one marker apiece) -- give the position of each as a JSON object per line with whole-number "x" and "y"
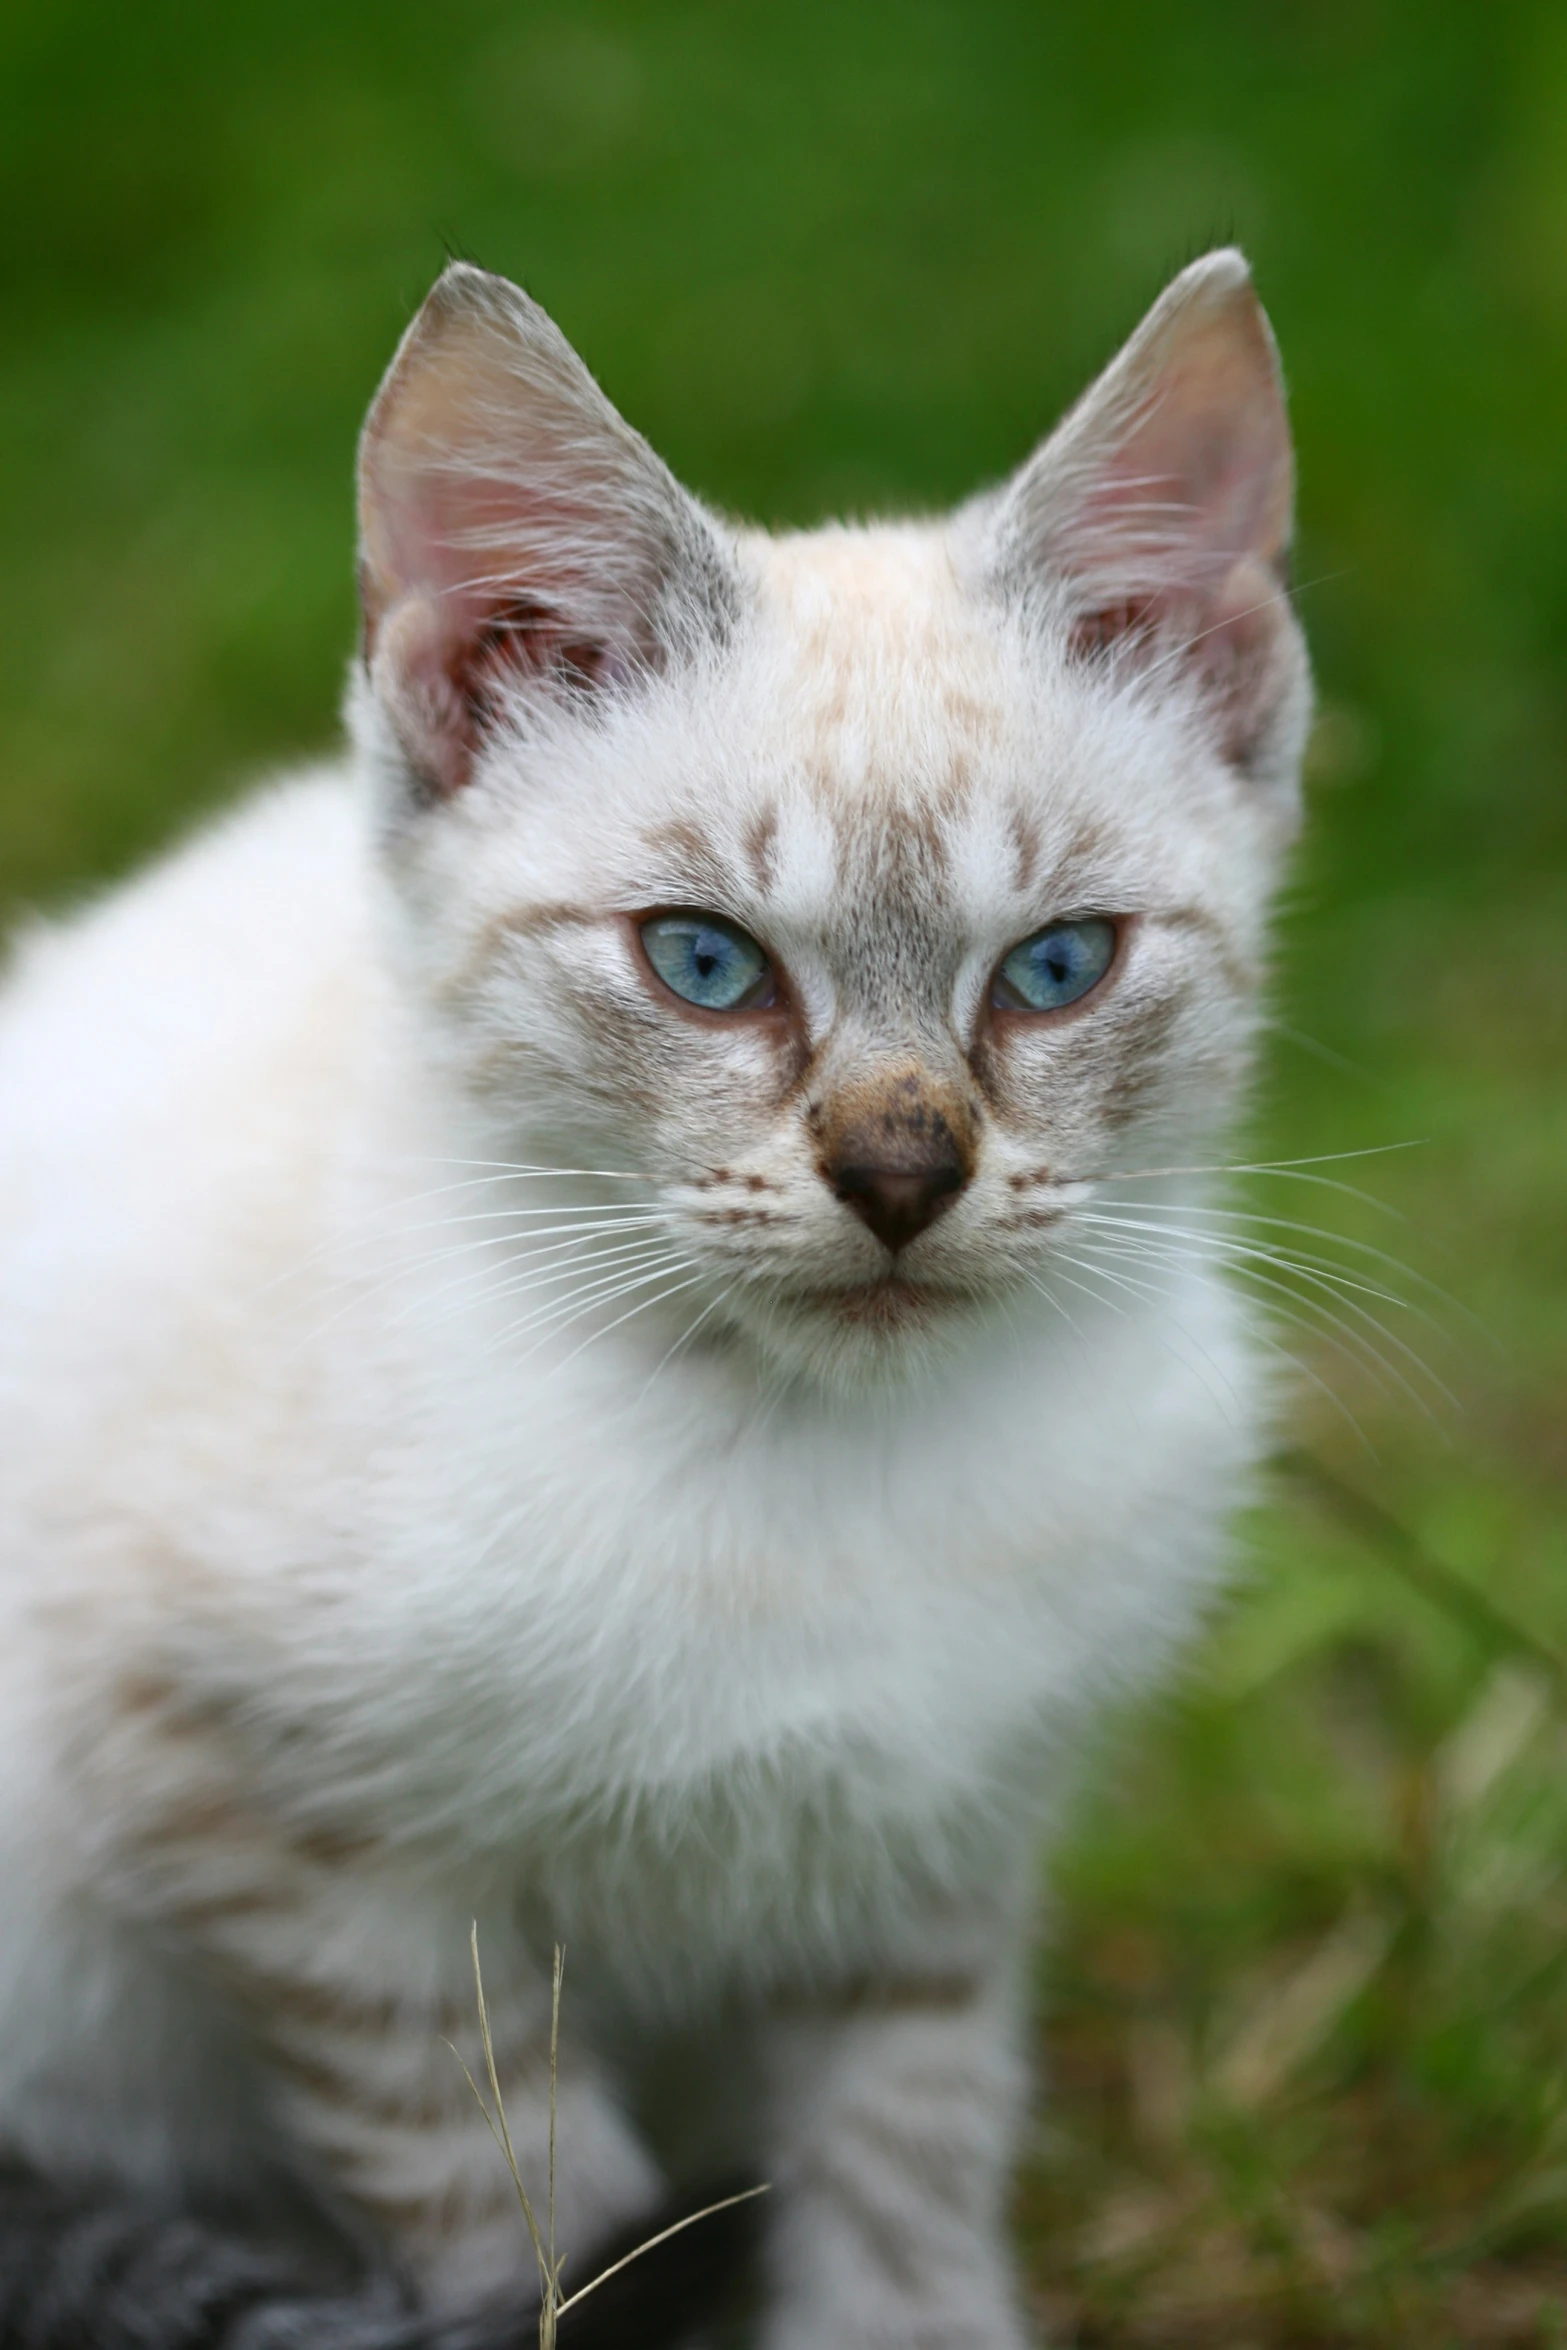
{"x": 1026, "y": 848}
{"x": 683, "y": 845}
{"x": 761, "y": 845}
{"x": 890, "y": 663}
{"x": 1080, "y": 864}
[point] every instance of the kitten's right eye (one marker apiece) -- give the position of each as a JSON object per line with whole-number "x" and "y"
{"x": 708, "y": 962}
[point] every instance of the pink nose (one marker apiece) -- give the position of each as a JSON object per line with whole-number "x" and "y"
{"x": 899, "y": 1202}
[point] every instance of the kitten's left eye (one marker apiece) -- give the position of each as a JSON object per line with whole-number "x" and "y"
{"x": 708, "y": 961}
{"x": 1056, "y": 966}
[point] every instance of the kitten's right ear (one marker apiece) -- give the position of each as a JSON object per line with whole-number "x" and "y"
{"x": 514, "y": 530}
{"x": 1157, "y": 516}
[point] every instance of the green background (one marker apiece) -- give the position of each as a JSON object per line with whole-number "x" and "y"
{"x": 1305, "y": 2010}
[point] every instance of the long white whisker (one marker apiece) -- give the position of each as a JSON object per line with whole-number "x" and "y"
{"x": 1284, "y": 1170}
{"x": 360, "y": 1291}
{"x": 1146, "y": 1289}
{"x": 688, "y": 1334}
{"x": 1244, "y": 1256}
{"x": 1265, "y": 1338}
{"x": 662, "y": 1298}
{"x": 477, "y": 1247}
{"x": 374, "y": 1227}
{"x": 531, "y": 1167}
{"x": 1309, "y": 1313}
{"x": 584, "y": 1212}
{"x": 1232, "y": 1248}
{"x": 540, "y": 1269}
{"x": 1280, "y": 596}
{"x": 562, "y": 1312}
{"x": 1090, "y": 1361}
{"x": 572, "y": 1285}
{"x": 1337, "y": 1240}
{"x": 569, "y": 1268}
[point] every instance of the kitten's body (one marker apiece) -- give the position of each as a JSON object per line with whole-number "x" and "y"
{"x": 735, "y": 1627}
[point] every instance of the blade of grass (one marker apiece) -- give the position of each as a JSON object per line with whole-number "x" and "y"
{"x": 1437, "y": 1582}
{"x": 552, "y": 2306}
{"x": 746, "y": 2195}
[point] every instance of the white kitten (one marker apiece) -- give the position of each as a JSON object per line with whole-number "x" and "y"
{"x": 558, "y": 1366}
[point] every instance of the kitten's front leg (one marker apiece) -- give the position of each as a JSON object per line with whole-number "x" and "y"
{"x": 362, "y": 2057}
{"x": 347, "y": 1965}
{"x": 893, "y": 2122}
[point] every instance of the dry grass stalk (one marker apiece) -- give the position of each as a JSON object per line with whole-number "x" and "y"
{"x": 553, "y": 2305}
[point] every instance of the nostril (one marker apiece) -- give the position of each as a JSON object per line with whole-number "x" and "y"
{"x": 898, "y": 1202}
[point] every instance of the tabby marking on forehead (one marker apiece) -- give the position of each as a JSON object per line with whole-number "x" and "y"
{"x": 884, "y": 654}
{"x": 1026, "y": 848}
{"x": 760, "y": 842}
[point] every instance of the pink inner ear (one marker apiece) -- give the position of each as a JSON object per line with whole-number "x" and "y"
{"x": 1175, "y": 516}
{"x": 513, "y": 529}
{"x": 1199, "y": 476}
{"x": 495, "y": 553}
{"x": 444, "y": 677}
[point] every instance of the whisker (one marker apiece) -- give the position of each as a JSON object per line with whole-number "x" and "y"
{"x": 530, "y": 1167}
{"x": 688, "y": 1334}
{"x": 1150, "y": 1290}
{"x": 374, "y": 1227}
{"x": 559, "y": 1235}
{"x": 1297, "y": 1170}
{"x": 570, "y": 1285}
{"x": 662, "y": 1299}
{"x": 360, "y": 1293}
{"x": 1244, "y": 1255}
{"x": 583, "y": 1211}
{"x": 569, "y": 1269}
{"x": 564, "y": 1311}
{"x": 1285, "y": 596}
{"x": 539, "y": 1269}
{"x": 1312, "y": 1314}
{"x": 1232, "y": 1248}
{"x": 1338, "y": 1240}
{"x": 1264, "y": 1337}
{"x": 1069, "y": 1319}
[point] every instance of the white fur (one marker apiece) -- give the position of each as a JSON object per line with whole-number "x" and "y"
{"x": 749, "y": 1660}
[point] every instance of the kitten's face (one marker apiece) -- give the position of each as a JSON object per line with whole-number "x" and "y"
{"x": 870, "y": 905}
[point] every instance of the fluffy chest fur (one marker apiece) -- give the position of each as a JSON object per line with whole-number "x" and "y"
{"x": 600, "y": 1615}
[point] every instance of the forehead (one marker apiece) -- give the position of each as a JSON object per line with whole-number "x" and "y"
{"x": 889, "y": 685}
{"x": 889, "y": 743}
{"x": 880, "y": 754}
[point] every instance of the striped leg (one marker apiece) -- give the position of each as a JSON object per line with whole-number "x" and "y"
{"x": 370, "y": 2086}
{"x": 349, "y": 1964}
{"x": 893, "y": 2124}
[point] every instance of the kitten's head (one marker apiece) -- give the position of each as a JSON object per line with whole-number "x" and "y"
{"x": 868, "y": 893}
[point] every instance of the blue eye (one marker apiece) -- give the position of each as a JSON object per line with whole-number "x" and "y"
{"x": 1056, "y": 966}
{"x": 707, "y": 961}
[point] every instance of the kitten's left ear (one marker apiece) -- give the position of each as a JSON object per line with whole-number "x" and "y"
{"x": 514, "y": 530}
{"x": 1157, "y": 516}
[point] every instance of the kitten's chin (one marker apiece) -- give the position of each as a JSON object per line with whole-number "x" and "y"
{"x": 886, "y": 1331}
{"x": 891, "y": 1307}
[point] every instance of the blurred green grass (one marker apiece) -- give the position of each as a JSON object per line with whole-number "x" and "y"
{"x": 1306, "y": 2004}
